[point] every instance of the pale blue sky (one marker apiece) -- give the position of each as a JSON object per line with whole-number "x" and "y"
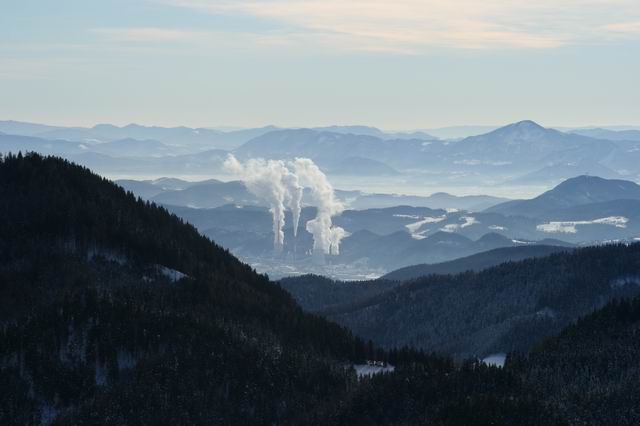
{"x": 405, "y": 64}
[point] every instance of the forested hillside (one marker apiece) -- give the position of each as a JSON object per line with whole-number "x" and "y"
{"x": 500, "y": 309}
{"x": 113, "y": 311}
{"x": 590, "y": 372}
{"x": 475, "y": 262}
{"x": 317, "y": 293}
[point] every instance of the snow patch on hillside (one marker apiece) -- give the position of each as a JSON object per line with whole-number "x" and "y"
{"x": 495, "y": 360}
{"x": 624, "y": 281}
{"x": 569, "y": 227}
{"x": 420, "y": 235}
{"x": 172, "y": 274}
{"x": 369, "y": 369}
{"x": 407, "y": 216}
{"x": 453, "y": 227}
{"x": 468, "y": 221}
{"x": 415, "y": 226}
{"x": 522, "y": 242}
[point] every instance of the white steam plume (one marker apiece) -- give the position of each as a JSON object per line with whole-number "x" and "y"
{"x": 293, "y": 197}
{"x": 265, "y": 179}
{"x": 274, "y": 182}
{"x": 326, "y": 238}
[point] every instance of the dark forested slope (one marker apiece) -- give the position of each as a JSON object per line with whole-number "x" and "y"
{"x": 316, "y": 293}
{"x": 500, "y": 309}
{"x": 475, "y": 262}
{"x": 590, "y": 372}
{"x": 94, "y": 322}
{"x": 114, "y": 311}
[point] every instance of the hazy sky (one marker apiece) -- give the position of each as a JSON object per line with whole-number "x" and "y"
{"x": 401, "y": 64}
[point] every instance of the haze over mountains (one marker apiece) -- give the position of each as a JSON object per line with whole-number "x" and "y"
{"x": 581, "y": 210}
{"x": 428, "y": 228}
{"x": 213, "y": 193}
{"x": 520, "y": 153}
{"x": 420, "y": 228}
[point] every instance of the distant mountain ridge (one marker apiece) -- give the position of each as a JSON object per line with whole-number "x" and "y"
{"x": 358, "y": 200}
{"x": 518, "y": 153}
{"x": 538, "y": 154}
{"x": 202, "y": 138}
{"x": 373, "y": 131}
{"x": 613, "y": 135}
{"x": 528, "y": 143}
{"x": 476, "y": 262}
{"x": 573, "y": 192}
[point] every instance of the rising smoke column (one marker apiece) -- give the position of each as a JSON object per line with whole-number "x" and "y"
{"x": 266, "y": 180}
{"x": 326, "y": 237}
{"x": 275, "y": 183}
{"x": 293, "y": 198}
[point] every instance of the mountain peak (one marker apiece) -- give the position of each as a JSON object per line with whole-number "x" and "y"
{"x": 527, "y": 123}
{"x": 593, "y": 180}
{"x": 521, "y": 130}
{"x": 583, "y": 178}
{"x": 577, "y": 191}
{"x": 524, "y": 126}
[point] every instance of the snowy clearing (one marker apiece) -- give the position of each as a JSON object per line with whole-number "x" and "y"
{"x": 415, "y": 226}
{"x": 495, "y": 360}
{"x": 569, "y": 227}
{"x": 363, "y": 370}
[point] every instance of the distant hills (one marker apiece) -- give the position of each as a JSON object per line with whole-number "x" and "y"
{"x": 476, "y": 262}
{"x": 329, "y": 149}
{"x": 459, "y": 132}
{"x": 613, "y": 135}
{"x": 379, "y": 238}
{"x": 372, "y": 131}
{"x": 522, "y": 153}
{"x": 578, "y": 191}
{"x": 579, "y": 211}
{"x": 438, "y": 200}
{"x": 360, "y": 166}
{"x": 214, "y": 193}
{"x": 201, "y": 138}
{"x": 317, "y": 293}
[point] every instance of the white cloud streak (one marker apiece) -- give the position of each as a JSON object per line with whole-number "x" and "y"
{"x": 415, "y": 26}
{"x": 149, "y": 35}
